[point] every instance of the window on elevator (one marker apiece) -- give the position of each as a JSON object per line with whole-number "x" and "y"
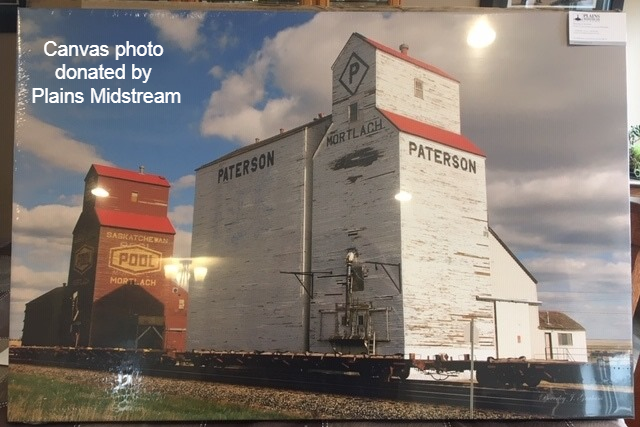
{"x": 417, "y": 89}
{"x": 353, "y": 112}
{"x": 134, "y": 196}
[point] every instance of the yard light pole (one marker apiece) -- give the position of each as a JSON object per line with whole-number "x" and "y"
{"x": 182, "y": 270}
{"x": 352, "y": 254}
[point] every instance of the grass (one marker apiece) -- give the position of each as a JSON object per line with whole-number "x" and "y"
{"x": 34, "y": 398}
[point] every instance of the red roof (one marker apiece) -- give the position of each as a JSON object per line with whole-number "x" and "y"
{"x": 132, "y": 221}
{"x": 432, "y": 133}
{"x": 128, "y": 175}
{"x": 407, "y": 58}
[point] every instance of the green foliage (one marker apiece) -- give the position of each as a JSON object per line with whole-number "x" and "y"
{"x": 634, "y": 151}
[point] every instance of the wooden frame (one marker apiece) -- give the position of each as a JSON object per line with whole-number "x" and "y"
{"x": 600, "y": 4}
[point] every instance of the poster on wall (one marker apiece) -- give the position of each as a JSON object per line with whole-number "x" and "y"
{"x": 335, "y": 216}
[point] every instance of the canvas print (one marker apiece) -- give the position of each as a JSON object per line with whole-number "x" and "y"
{"x": 340, "y": 216}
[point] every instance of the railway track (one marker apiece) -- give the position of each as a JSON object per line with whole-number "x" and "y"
{"x": 552, "y": 402}
{"x": 547, "y": 402}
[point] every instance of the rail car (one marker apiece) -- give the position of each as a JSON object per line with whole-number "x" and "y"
{"x": 499, "y": 373}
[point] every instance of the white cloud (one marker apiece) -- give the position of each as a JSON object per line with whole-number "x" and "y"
{"x": 570, "y": 211}
{"x": 240, "y": 111}
{"x": 216, "y": 71}
{"x": 55, "y": 146}
{"x": 182, "y": 244}
{"x": 52, "y": 221}
{"x": 226, "y": 40}
{"x": 581, "y": 270}
{"x": 593, "y": 291}
{"x": 26, "y": 285}
{"x": 297, "y": 62}
{"x": 46, "y": 223}
{"x": 279, "y": 113}
{"x": 71, "y": 200}
{"x": 181, "y": 215}
{"x": 241, "y": 91}
{"x": 179, "y": 29}
{"x": 187, "y": 181}
{"x": 42, "y": 235}
{"x": 35, "y": 46}
{"x": 27, "y": 26}
{"x": 32, "y": 52}
{"x": 551, "y": 189}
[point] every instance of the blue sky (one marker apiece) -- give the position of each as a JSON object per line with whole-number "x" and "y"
{"x": 553, "y": 132}
{"x": 122, "y": 133}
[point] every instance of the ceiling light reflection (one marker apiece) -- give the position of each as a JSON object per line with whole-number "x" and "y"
{"x": 100, "y": 192}
{"x": 481, "y": 35}
{"x": 403, "y": 196}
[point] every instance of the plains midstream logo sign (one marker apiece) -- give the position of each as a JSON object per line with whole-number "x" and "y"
{"x": 135, "y": 259}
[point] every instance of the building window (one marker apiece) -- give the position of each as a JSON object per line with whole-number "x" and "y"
{"x": 134, "y": 196}
{"x": 353, "y": 112}
{"x": 565, "y": 339}
{"x": 417, "y": 88}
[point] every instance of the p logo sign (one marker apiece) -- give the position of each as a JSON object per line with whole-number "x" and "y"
{"x": 353, "y": 73}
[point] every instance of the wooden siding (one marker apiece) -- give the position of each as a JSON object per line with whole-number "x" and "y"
{"x": 445, "y": 248}
{"x": 440, "y": 104}
{"x": 354, "y": 207}
{"x": 354, "y": 182}
{"x": 251, "y": 225}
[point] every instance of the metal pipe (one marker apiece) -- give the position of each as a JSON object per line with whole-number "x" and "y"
{"x": 306, "y": 243}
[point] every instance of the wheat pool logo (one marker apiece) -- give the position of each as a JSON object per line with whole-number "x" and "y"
{"x": 83, "y": 259}
{"x": 135, "y": 259}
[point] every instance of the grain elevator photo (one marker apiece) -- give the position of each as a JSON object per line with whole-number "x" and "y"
{"x": 362, "y": 231}
{"x": 117, "y": 294}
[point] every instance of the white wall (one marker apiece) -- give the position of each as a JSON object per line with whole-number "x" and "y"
{"x": 445, "y": 252}
{"x": 575, "y": 352}
{"x": 440, "y": 105}
{"x": 517, "y": 323}
{"x": 251, "y": 222}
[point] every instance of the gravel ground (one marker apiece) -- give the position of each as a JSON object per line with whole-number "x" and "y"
{"x": 297, "y": 404}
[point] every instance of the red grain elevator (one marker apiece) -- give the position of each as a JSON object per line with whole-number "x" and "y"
{"x": 121, "y": 242}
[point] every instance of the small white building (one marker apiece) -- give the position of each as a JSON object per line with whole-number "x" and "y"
{"x": 564, "y": 338}
{"x": 515, "y": 304}
{"x": 362, "y": 231}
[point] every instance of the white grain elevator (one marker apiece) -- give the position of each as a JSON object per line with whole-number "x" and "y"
{"x": 384, "y": 189}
